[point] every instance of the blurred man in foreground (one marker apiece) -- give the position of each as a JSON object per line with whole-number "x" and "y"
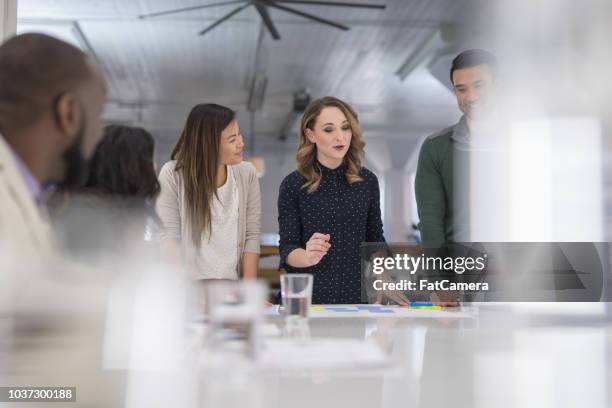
{"x": 51, "y": 314}
{"x": 50, "y": 103}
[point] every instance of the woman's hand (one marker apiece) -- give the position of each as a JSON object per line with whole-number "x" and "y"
{"x": 445, "y": 298}
{"x": 317, "y": 247}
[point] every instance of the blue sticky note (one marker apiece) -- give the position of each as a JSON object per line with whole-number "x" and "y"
{"x": 368, "y": 307}
{"x": 381, "y": 311}
{"x": 374, "y": 309}
{"x": 340, "y": 309}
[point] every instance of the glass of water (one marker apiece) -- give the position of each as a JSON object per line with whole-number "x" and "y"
{"x": 296, "y": 294}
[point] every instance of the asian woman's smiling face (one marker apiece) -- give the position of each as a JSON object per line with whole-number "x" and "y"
{"x": 231, "y": 145}
{"x": 332, "y": 135}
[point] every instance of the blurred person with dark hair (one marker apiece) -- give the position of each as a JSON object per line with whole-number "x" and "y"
{"x": 123, "y": 165}
{"x": 105, "y": 225}
{"x": 114, "y": 211}
{"x": 210, "y": 204}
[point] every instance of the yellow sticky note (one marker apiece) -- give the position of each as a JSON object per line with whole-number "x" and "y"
{"x": 427, "y": 307}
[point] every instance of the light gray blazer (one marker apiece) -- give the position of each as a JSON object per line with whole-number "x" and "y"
{"x": 23, "y": 227}
{"x": 171, "y": 207}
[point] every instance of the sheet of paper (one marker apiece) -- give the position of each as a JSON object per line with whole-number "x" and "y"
{"x": 377, "y": 311}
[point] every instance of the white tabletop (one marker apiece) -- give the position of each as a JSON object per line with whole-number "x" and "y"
{"x": 495, "y": 355}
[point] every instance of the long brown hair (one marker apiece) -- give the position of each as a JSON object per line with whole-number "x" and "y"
{"x": 307, "y": 151}
{"x": 197, "y": 158}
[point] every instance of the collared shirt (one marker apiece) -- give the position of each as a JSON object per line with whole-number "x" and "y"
{"x": 349, "y": 213}
{"x": 33, "y": 185}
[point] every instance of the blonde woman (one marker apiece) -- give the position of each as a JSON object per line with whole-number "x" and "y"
{"x": 330, "y": 204}
{"x": 209, "y": 202}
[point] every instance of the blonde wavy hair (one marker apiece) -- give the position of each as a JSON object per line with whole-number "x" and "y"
{"x": 307, "y": 151}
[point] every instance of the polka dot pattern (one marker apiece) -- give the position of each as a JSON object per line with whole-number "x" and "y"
{"x": 349, "y": 213}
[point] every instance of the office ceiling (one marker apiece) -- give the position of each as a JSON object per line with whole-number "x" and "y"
{"x": 158, "y": 68}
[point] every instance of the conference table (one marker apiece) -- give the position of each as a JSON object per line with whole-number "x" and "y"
{"x": 476, "y": 355}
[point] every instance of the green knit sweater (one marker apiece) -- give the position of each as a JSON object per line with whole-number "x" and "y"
{"x": 443, "y": 215}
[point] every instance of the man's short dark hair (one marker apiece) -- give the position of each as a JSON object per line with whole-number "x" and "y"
{"x": 472, "y": 58}
{"x": 34, "y": 70}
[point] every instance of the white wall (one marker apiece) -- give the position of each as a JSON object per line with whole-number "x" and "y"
{"x": 8, "y": 18}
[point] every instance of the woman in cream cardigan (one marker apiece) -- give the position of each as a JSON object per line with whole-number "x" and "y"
{"x": 209, "y": 202}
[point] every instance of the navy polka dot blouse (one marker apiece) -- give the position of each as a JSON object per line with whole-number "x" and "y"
{"x": 349, "y": 213}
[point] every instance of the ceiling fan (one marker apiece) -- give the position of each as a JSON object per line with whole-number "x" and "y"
{"x": 262, "y": 9}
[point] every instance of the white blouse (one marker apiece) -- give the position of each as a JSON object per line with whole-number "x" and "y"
{"x": 218, "y": 253}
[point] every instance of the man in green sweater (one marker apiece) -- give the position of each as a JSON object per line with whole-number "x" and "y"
{"x": 442, "y": 188}
{"x": 442, "y": 179}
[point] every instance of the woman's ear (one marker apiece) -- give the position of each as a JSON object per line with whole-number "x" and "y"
{"x": 309, "y": 135}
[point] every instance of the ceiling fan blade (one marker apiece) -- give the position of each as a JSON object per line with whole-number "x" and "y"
{"x": 265, "y": 16}
{"x": 306, "y": 15}
{"x": 333, "y": 3}
{"x": 180, "y": 10}
{"x": 224, "y": 18}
